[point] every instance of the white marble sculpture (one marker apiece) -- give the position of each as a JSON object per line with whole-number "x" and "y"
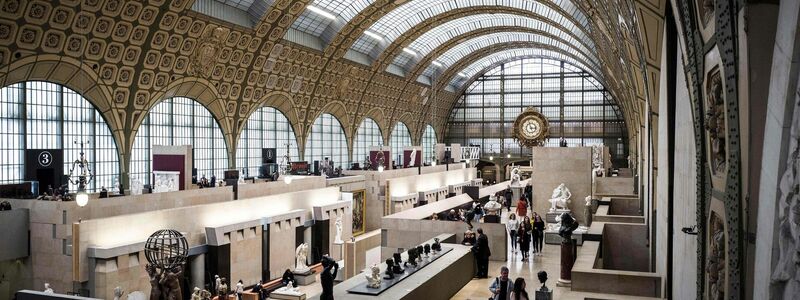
{"x": 118, "y": 293}
{"x": 289, "y": 289}
{"x": 136, "y": 186}
{"x": 516, "y": 179}
{"x": 373, "y": 276}
{"x": 413, "y": 158}
{"x": 47, "y": 288}
{"x": 338, "y": 239}
{"x": 588, "y": 200}
{"x": 560, "y": 198}
{"x": 166, "y": 181}
{"x": 301, "y": 254}
{"x": 492, "y": 207}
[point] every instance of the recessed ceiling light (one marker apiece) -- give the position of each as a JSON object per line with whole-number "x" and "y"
{"x": 321, "y": 12}
{"x": 373, "y": 35}
{"x": 409, "y": 51}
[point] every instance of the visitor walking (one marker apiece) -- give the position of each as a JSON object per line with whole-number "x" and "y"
{"x": 482, "y": 253}
{"x": 501, "y": 287}
{"x": 512, "y": 225}
{"x": 524, "y": 238}
{"x": 538, "y": 227}
{"x": 519, "y": 292}
{"x": 239, "y": 289}
{"x": 522, "y": 208}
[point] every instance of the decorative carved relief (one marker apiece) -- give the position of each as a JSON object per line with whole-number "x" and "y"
{"x": 205, "y": 55}
{"x": 786, "y": 275}
{"x": 705, "y": 9}
{"x": 715, "y": 260}
{"x": 715, "y": 123}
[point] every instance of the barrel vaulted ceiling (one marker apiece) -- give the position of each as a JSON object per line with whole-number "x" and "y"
{"x": 388, "y": 60}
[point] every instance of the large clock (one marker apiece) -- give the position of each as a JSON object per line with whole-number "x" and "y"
{"x": 530, "y": 128}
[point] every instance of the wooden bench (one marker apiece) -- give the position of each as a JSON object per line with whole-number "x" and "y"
{"x": 267, "y": 287}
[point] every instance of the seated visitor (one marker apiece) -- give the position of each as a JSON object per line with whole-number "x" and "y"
{"x": 452, "y": 215}
{"x": 434, "y": 216}
{"x": 288, "y": 276}
{"x": 469, "y": 238}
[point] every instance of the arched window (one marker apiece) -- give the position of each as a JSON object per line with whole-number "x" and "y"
{"x": 368, "y": 135}
{"x": 576, "y": 105}
{"x": 399, "y": 139}
{"x": 428, "y": 143}
{"x": 44, "y": 115}
{"x": 180, "y": 121}
{"x": 267, "y": 127}
{"x": 327, "y": 139}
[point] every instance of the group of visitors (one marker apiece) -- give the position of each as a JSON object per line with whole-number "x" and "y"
{"x": 523, "y": 232}
{"x": 503, "y": 288}
{"x": 468, "y": 215}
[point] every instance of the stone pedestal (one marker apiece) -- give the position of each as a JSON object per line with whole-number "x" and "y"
{"x": 517, "y": 192}
{"x": 550, "y": 216}
{"x": 305, "y": 279}
{"x": 567, "y": 260}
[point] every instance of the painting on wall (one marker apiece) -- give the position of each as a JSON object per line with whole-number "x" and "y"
{"x": 359, "y": 211}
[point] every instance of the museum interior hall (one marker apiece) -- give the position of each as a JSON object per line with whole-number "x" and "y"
{"x": 399, "y": 149}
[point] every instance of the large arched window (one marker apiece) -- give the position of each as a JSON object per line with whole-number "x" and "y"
{"x": 267, "y": 127}
{"x": 578, "y": 107}
{"x": 180, "y": 121}
{"x": 368, "y": 135}
{"x": 428, "y": 143}
{"x": 327, "y": 139}
{"x": 399, "y": 139}
{"x": 44, "y": 115}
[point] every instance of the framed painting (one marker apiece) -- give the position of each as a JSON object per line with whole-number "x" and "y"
{"x": 359, "y": 212}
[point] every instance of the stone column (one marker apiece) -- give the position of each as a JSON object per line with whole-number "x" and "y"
{"x": 567, "y": 260}
{"x": 197, "y": 278}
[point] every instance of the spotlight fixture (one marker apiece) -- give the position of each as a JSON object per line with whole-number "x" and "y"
{"x": 508, "y": 155}
{"x": 321, "y": 12}
{"x": 287, "y": 179}
{"x": 491, "y": 157}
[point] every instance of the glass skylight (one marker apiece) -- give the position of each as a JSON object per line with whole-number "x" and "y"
{"x": 405, "y": 17}
{"x": 434, "y": 38}
{"x": 453, "y": 55}
{"x": 485, "y": 62}
{"x": 316, "y": 24}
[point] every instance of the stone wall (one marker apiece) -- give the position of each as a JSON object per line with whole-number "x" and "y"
{"x": 625, "y": 247}
{"x": 246, "y": 251}
{"x": 614, "y": 186}
{"x": 555, "y": 165}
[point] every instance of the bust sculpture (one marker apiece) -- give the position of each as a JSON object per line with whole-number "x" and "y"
{"x": 568, "y": 225}
{"x": 289, "y": 289}
{"x": 374, "y": 277}
{"x": 338, "y": 239}
{"x": 301, "y": 255}
{"x": 427, "y": 249}
{"x": 560, "y": 198}
{"x": 492, "y": 207}
{"x": 47, "y": 288}
{"x": 389, "y": 265}
{"x": 412, "y": 258}
{"x": 436, "y": 247}
{"x": 397, "y": 260}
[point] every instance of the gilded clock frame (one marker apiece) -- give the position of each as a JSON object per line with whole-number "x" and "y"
{"x": 530, "y": 113}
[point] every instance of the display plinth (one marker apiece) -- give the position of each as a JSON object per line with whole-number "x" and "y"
{"x": 407, "y": 272}
{"x": 305, "y": 279}
{"x": 567, "y": 260}
{"x": 287, "y": 295}
{"x": 550, "y": 216}
{"x": 552, "y": 237}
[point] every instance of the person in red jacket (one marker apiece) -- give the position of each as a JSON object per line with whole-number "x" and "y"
{"x": 522, "y": 208}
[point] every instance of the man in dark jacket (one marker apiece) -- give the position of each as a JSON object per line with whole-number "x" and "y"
{"x": 482, "y": 253}
{"x": 509, "y": 198}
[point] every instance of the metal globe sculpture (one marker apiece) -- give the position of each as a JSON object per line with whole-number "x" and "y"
{"x": 166, "y": 249}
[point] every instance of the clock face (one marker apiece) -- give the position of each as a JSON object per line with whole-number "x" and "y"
{"x": 531, "y": 128}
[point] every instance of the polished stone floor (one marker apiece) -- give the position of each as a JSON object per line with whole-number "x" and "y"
{"x": 549, "y": 261}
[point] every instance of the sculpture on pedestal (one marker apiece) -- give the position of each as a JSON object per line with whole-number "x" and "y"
{"x": 289, "y": 289}
{"x": 543, "y": 293}
{"x": 427, "y": 248}
{"x": 166, "y": 252}
{"x": 338, "y": 239}
{"x": 412, "y": 258}
{"x": 47, "y": 288}
{"x": 492, "y": 207}
{"x": 560, "y": 198}
{"x": 516, "y": 179}
{"x": 420, "y": 251}
{"x": 568, "y": 225}
{"x": 301, "y": 256}
{"x": 587, "y": 210}
{"x": 374, "y": 277}
{"x": 397, "y": 260}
